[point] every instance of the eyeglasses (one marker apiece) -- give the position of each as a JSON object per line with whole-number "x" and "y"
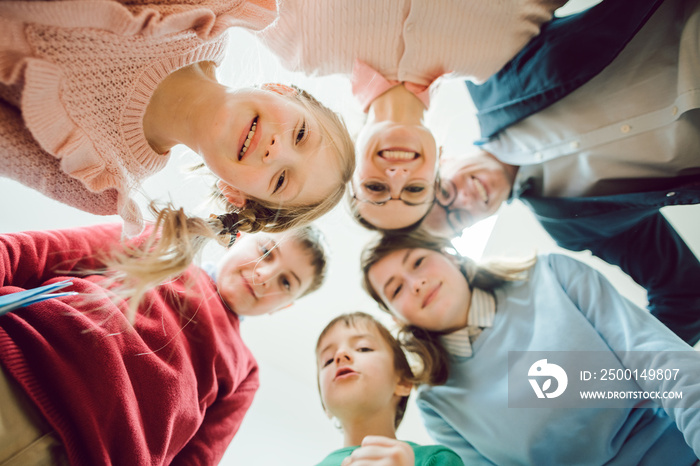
{"x": 445, "y": 197}
{"x": 378, "y": 193}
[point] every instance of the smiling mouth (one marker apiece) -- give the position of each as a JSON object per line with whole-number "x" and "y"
{"x": 343, "y": 372}
{"x": 428, "y": 299}
{"x": 397, "y": 155}
{"x": 246, "y": 143}
{"x": 481, "y": 189}
{"x": 248, "y": 287}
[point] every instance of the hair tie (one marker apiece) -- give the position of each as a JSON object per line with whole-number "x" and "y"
{"x": 281, "y": 89}
{"x": 229, "y": 222}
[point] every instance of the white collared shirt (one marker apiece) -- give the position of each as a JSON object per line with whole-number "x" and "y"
{"x": 482, "y": 311}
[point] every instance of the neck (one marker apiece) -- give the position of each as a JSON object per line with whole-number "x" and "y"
{"x": 358, "y": 427}
{"x": 399, "y": 105}
{"x": 178, "y": 109}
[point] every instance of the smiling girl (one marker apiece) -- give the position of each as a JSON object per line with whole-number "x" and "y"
{"x": 364, "y": 380}
{"x": 79, "y": 383}
{"x": 394, "y": 51}
{"x": 465, "y": 321}
{"x": 94, "y": 95}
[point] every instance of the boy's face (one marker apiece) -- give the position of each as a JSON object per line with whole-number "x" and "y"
{"x": 356, "y": 372}
{"x": 263, "y": 273}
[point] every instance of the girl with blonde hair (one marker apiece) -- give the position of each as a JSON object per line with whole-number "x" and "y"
{"x": 80, "y": 383}
{"x": 93, "y": 96}
{"x": 394, "y": 52}
{"x": 483, "y": 332}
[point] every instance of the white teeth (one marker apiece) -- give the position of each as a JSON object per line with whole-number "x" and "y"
{"x": 482, "y": 191}
{"x": 397, "y": 155}
{"x": 251, "y": 133}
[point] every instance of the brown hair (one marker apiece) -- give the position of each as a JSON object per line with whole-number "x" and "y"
{"x": 425, "y": 344}
{"x": 177, "y": 238}
{"x": 311, "y": 240}
{"x": 401, "y": 365}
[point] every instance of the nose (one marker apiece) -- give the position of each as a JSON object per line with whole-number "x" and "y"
{"x": 341, "y": 355}
{"x": 464, "y": 200}
{"x": 417, "y": 284}
{"x": 262, "y": 276}
{"x": 277, "y": 149}
{"x": 396, "y": 173}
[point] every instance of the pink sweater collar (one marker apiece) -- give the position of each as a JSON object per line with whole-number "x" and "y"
{"x": 368, "y": 84}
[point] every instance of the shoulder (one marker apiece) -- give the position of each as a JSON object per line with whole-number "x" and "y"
{"x": 435, "y": 455}
{"x": 337, "y": 457}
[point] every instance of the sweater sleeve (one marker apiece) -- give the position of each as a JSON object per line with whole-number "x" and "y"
{"x": 28, "y": 259}
{"x": 638, "y": 340}
{"x": 221, "y": 422}
{"x": 26, "y": 162}
{"x": 445, "y": 435}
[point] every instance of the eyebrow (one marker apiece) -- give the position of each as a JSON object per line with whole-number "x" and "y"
{"x": 403, "y": 262}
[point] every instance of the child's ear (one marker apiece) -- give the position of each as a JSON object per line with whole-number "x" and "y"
{"x": 232, "y": 195}
{"x": 403, "y": 388}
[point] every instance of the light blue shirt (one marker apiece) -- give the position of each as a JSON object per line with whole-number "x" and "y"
{"x": 564, "y": 306}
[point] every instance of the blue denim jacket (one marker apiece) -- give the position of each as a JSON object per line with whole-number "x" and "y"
{"x": 567, "y": 53}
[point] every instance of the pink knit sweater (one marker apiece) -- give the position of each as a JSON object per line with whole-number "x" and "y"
{"x": 76, "y": 78}
{"x": 413, "y": 41}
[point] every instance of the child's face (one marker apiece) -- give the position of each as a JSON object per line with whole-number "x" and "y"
{"x": 287, "y": 161}
{"x": 422, "y": 287}
{"x": 356, "y": 372}
{"x": 263, "y": 273}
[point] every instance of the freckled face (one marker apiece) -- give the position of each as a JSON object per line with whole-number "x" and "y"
{"x": 263, "y": 273}
{"x": 356, "y": 371}
{"x": 398, "y": 161}
{"x": 422, "y": 287}
{"x": 286, "y": 159}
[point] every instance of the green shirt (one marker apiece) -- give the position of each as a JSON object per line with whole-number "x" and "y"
{"x": 426, "y": 455}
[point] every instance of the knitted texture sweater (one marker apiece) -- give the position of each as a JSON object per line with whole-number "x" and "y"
{"x": 405, "y": 40}
{"x": 76, "y": 78}
{"x": 172, "y": 388}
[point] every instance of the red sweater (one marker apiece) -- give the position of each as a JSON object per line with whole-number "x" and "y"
{"x": 172, "y": 388}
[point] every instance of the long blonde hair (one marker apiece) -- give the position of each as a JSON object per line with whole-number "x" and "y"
{"x": 177, "y": 238}
{"x": 487, "y": 276}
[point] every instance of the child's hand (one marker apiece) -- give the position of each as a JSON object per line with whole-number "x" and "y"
{"x": 381, "y": 451}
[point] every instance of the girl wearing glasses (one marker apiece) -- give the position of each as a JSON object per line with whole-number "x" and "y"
{"x": 394, "y": 51}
